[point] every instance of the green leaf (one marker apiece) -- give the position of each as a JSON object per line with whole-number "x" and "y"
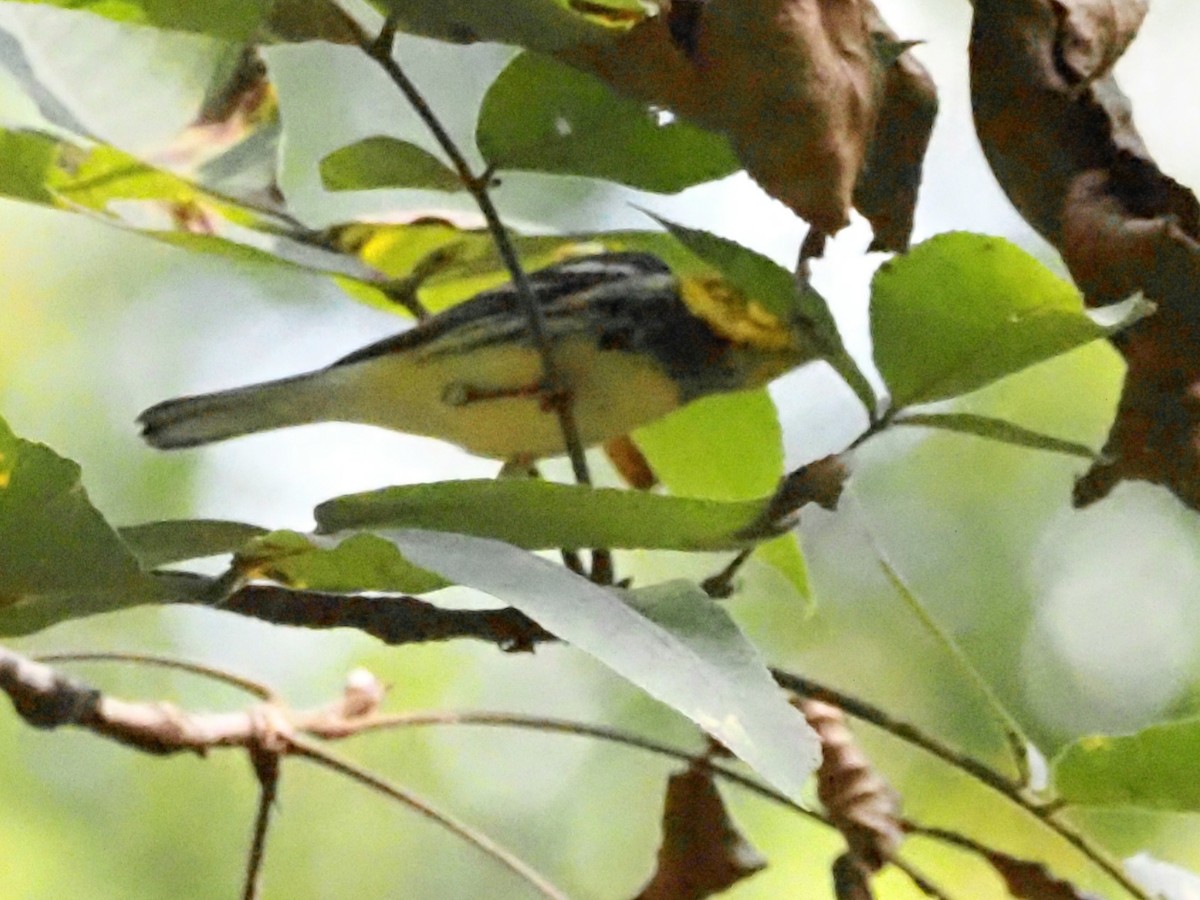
{"x": 545, "y": 25}
{"x": 670, "y": 640}
{"x": 1156, "y": 768}
{"x": 780, "y": 293}
{"x": 960, "y": 311}
{"x": 235, "y": 20}
{"x": 28, "y": 158}
{"x": 785, "y": 555}
{"x": 386, "y": 162}
{"x": 541, "y": 115}
{"x": 360, "y": 562}
{"x": 140, "y": 90}
{"x": 449, "y": 263}
{"x": 726, "y": 447}
{"x": 996, "y": 430}
{"x": 311, "y": 20}
{"x": 723, "y": 447}
{"x": 538, "y": 515}
{"x": 161, "y": 543}
{"x": 61, "y": 559}
{"x": 107, "y": 183}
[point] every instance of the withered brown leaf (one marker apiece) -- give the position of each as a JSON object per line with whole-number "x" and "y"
{"x": 1033, "y": 881}
{"x": 886, "y": 192}
{"x": 797, "y": 86}
{"x": 851, "y": 880}
{"x": 856, "y": 798}
{"x": 702, "y": 852}
{"x": 1059, "y": 135}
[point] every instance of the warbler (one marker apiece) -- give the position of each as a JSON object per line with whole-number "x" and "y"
{"x": 633, "y": 342}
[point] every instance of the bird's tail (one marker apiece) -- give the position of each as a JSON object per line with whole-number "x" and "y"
{"x": 203, "y": 419}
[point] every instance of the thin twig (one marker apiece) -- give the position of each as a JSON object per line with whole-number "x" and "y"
{"x": 266, "y": 767}
{"x": 308, "y": 750}
{"x": 380, "y": 50}
{"x": 906, "y": 731}
{"x": 408, "y": 620}
{"x": 255, "y": 688}
{"x": 555, "y": 389}
{"x": 1010, "y": 790}
{"x": 395, "y": 620}
{"x": 627, "y": 739}
{"x": 720, "y": 585}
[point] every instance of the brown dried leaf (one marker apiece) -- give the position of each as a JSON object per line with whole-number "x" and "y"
{"x": 858, "y": 801}
{"x": 1094, "y": 33}
{"x": 702, "y": 852}
{"x": 793, "y": 84}
{"x": 1059, "y": 135}
{"x": 851, "y": 881}
{"x": 886, "y": 192}
{"x": 1032, "y": 881}
{"x": 1156, "y": 436}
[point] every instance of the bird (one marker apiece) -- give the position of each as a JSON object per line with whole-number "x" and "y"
{"x": 632, "y": 342}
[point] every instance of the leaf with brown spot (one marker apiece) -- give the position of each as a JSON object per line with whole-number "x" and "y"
{"x": 1060, "y": 138}
{"x": 702, "y": 852}
{"x": 1028, "y": 880}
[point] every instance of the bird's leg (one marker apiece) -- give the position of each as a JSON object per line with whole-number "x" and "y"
{"x": 462, "y": 394}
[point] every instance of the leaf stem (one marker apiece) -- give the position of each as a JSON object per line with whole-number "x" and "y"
{"x": 254, "y": 688}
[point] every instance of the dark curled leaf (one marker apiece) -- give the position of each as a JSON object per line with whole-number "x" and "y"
{"x": 858, "y": 801}
{"x": 886, "y": 192}
{"x": 702, "y": 852}
{"x": 851, "y": 881}
{"x": 1059, "y": 135}
{"x": 1157, "y": 430}
{"x": 791, "y": 83}
{"x": 1032, "y": 881}
{"x": 684, "y": 20}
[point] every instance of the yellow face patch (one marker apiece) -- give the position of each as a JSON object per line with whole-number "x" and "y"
{"x": 734, "y": 317}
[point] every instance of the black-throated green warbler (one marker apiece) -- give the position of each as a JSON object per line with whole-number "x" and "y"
{"x": 633, "y": 342}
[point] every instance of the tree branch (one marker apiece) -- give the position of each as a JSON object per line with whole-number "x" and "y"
{"x": 395, "y": 620}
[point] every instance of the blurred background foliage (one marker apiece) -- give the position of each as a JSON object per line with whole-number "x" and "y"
{"x": 1082, "y": 621}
